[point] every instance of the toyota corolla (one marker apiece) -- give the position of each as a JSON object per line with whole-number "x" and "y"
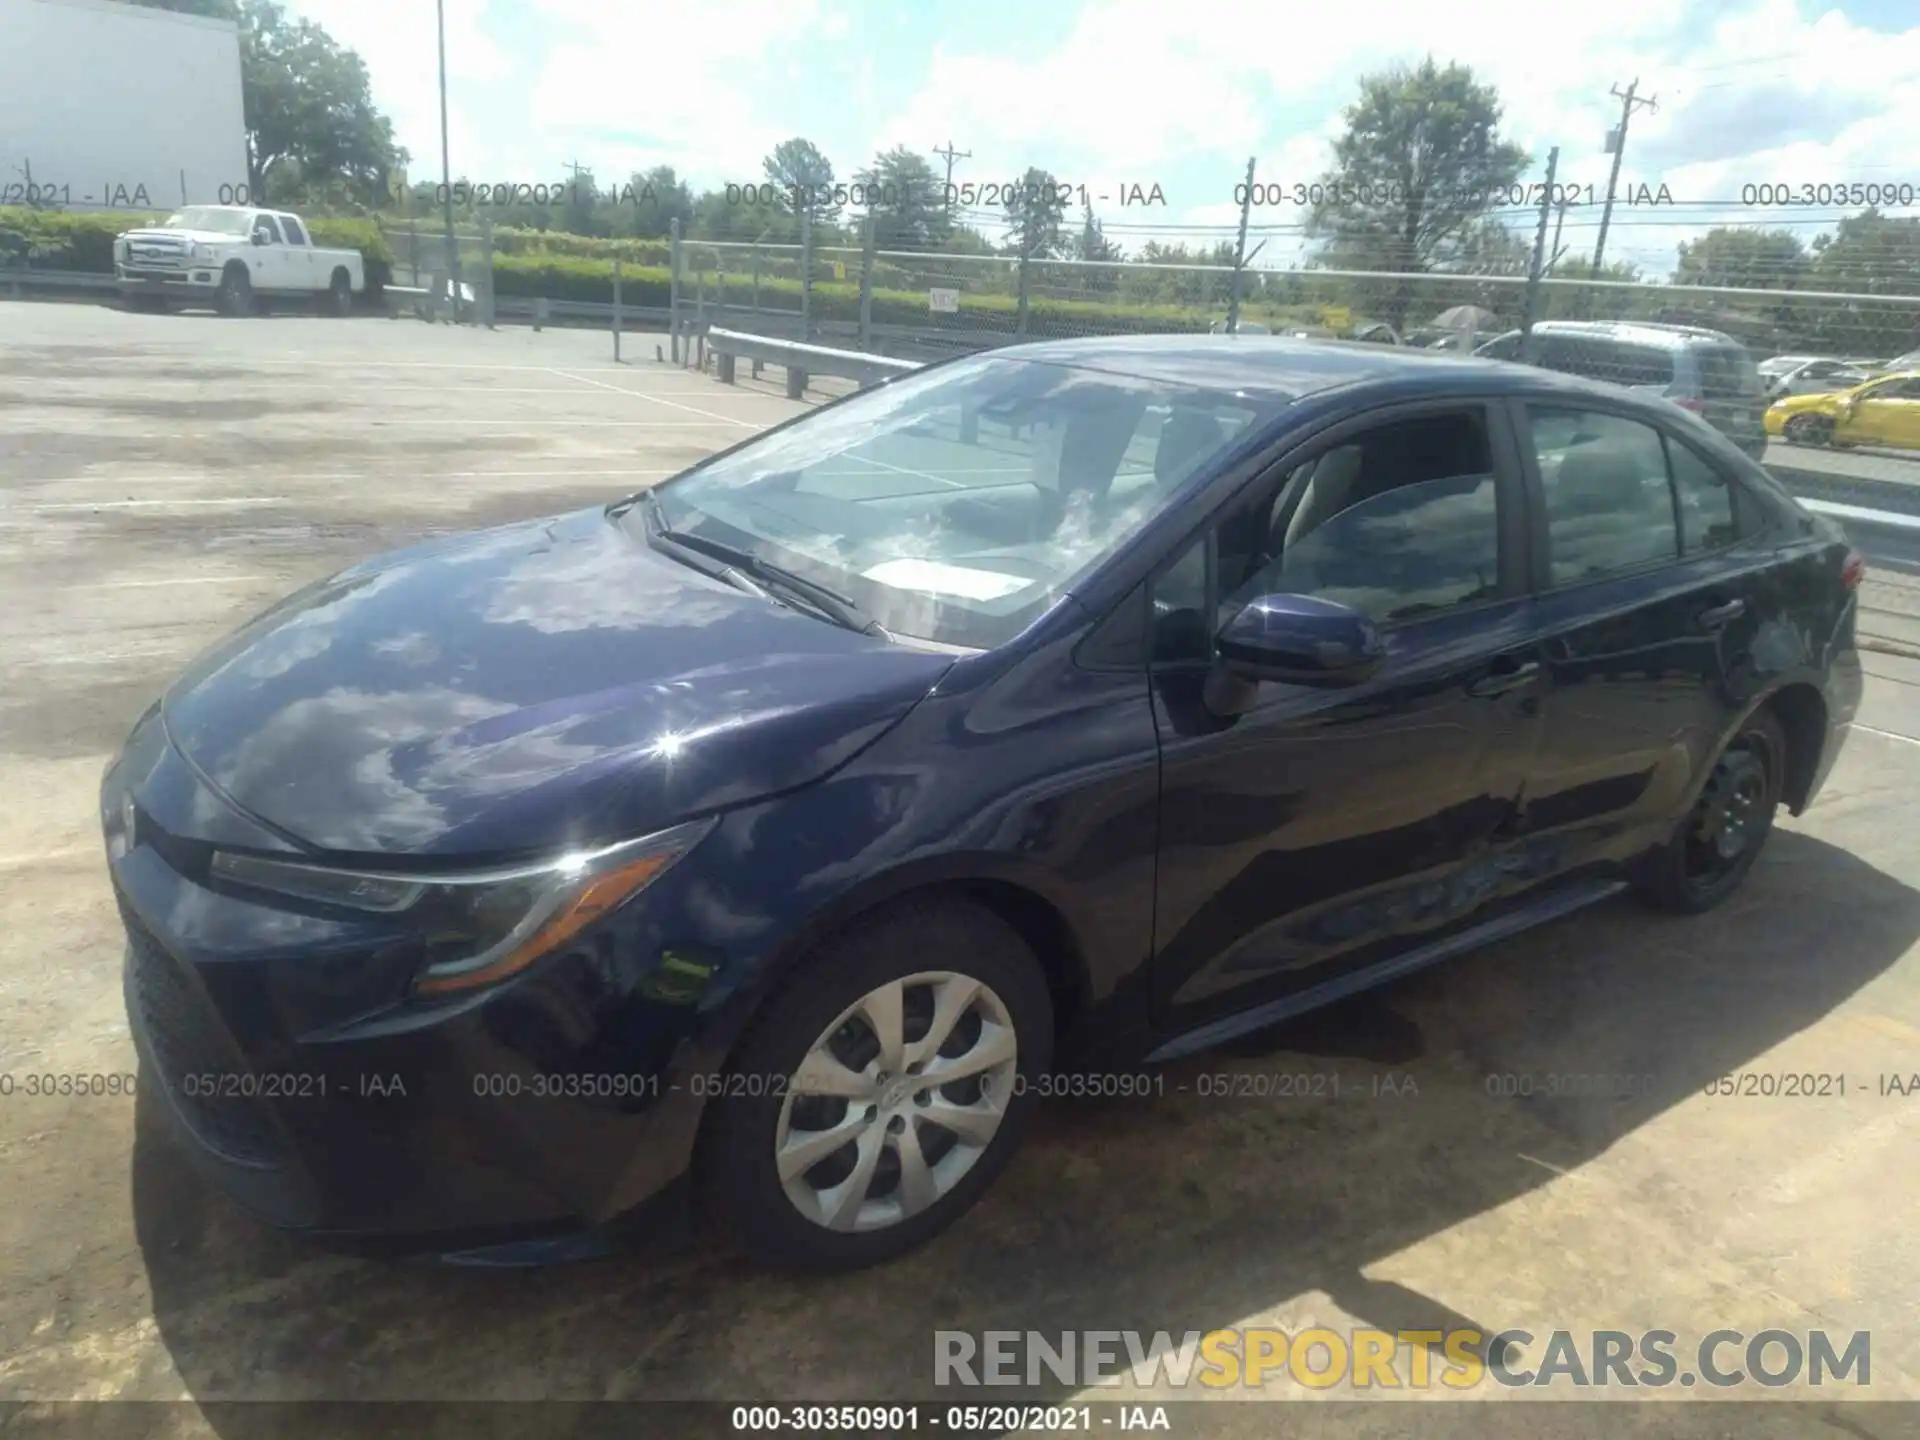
{"x": 752, "y": 845}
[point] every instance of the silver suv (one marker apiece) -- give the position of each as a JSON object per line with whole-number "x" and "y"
{"x": 1704, "y": 371}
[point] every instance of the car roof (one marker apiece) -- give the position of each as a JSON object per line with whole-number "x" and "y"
{"x": 1636, "y": 332}
{"x": 1272, "y": 366}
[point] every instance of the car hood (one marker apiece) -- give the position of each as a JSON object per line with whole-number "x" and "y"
{"x": 1816, "y": 400}
{"x": 202, "y": 237}
{"x": 526, "y": 688}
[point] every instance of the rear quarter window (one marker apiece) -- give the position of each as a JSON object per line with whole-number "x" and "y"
{"x": 1727, "y": 370}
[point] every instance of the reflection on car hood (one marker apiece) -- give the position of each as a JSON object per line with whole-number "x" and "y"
{"x": 528, "y": 688}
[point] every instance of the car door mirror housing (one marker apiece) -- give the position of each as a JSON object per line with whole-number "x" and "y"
{"x": 259, "y": 237}
{"x": 1300, "y": 640}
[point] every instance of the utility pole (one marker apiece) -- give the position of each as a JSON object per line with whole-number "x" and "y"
{"x": 1240, "y": 253}
{"x": 949, "y": 154}
{"x": 446, "y": 165}
{"x": 1559, "y": 219}
{"x": 1628, "y": 101}
{"x": 1538, "y": 266}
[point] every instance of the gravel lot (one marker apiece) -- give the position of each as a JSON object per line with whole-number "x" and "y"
{"x": 163, "y": 477}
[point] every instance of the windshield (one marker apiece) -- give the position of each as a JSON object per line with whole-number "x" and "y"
{"x": 206, "y": 217}
{"x": 957, "y": 505}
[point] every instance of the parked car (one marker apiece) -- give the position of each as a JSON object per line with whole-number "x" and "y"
{"x": 768, "y": 838}
{"x": 1704, "y": 371}
{"x": 235, "y": 259}
{"x": 1813, "y": 377}
{"x": 1883, "y": 411}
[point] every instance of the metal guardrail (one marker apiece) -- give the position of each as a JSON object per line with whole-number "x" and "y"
{"x": 13, "y": 281}
{"x": 800, "y": 360}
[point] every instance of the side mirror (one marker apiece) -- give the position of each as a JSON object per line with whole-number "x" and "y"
{"x": 259, "y": 237}
{"x": 1300, "y": 640}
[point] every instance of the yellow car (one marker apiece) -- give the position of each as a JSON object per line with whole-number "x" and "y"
{"x": 1884, "y": 411}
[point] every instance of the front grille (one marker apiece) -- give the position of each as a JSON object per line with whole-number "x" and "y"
{"x": 203, "y": 1072}
{"x": 156, "y": 257}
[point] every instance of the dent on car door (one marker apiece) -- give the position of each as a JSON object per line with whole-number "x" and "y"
{"x": 1648, "y": 612}
{"x": 1322, "y": 828}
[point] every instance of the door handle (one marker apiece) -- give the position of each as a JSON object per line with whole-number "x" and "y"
{"x": 1503, "y": 680}
{"x": 1721, "y": 615}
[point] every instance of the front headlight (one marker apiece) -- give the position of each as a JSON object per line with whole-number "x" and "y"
{"x": 202, "y": 253}
{"x": 479, "y": 928}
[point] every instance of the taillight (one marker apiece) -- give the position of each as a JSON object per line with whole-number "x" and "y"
{"x": 1853, "y": 570}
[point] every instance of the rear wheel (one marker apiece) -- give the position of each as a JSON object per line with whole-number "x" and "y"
{"x": 236, "y": 291}
{"x": 1721, "y": 837}
{"x": 1809, "y": 430}
{"x": 339, "y": 298}
{"x": 881, "y": 1092}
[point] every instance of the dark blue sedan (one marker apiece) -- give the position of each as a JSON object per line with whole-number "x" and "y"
{"x": 767, "y": 839}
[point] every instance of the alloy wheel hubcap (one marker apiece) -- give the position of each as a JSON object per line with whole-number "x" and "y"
{"x": 896, "y": 1101}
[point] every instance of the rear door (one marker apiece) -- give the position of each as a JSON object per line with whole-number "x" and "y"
{"x": 300, "y": 259}
{"x": 1651, "y": 589}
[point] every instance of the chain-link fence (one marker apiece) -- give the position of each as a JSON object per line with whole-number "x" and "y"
{"x": 428, "y": 258}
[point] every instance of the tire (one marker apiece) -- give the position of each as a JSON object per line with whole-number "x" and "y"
{"x": 1693, "y": 872}
{"x": 826, "y": 1003}
{"x": 1809, "y": 430}
{"x": 236, "y": 291}
{"x": 339, "y": 297}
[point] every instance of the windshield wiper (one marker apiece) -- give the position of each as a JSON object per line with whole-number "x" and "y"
{"x": 742, "y": 563}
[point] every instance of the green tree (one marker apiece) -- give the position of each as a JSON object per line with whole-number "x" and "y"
{"x": 799, "y": 168}
{"x": 905, "y": 200}
{"x": 658, "y": 198}
{"x": 1415, "y": 177}
{"x": 1754, "y": 259}
{"x": 1036, "y": 216}
{"x": 312, "y": 127}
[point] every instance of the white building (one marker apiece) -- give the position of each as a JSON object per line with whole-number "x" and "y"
{"x": 119, "y": 106}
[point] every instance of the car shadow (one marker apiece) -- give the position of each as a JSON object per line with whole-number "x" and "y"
{"x": 1187, "y": 1210}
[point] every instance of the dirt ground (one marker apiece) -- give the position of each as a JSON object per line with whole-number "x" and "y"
{"x": 163, "y": 477}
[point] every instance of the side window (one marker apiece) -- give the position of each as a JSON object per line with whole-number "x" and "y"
{"x": 263, "y": 225}
{"x": 1706, "y": 501}
{"x": 1608, "y": 501}
{"x": 295, "y": 235}
{"x": 1399, "y": 521}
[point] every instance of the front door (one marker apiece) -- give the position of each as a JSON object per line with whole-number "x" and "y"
{"x": 1324, "y": 828}
{"x": 269, "y": 255}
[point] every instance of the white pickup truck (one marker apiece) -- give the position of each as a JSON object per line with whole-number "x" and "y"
{"x": 235, "y": 258}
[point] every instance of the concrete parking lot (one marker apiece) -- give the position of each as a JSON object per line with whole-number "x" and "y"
{"x": 163, "y": 477}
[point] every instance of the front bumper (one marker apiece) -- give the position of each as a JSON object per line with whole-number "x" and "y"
{"x": 200, "y": 283}
{"x": 284, "y": 1053}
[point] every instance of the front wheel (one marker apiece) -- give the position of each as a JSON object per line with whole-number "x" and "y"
{"x": 236, "y": 291}
{"x": 1809, "y": 430}
{"x": 1721, "y": 837}
{"x": 881, "y": 1092}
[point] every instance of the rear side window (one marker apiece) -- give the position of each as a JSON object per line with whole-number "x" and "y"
{"x": 1705, "y": 500}
{"x": 295, "y": 235}
{"x": 1637, "y": 365}
{"x": 1608, "y": 501}
{"x": 1727, "y": 371}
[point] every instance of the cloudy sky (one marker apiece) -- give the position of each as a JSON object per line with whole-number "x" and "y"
{"x": 1111, "y": 93}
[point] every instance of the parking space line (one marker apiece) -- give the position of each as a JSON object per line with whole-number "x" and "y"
{"x": 1886, "y": 734}
{"x": 671, "y": 404}
{"x": 236, "y": 500}
{"x": 364, "y": 475}
{"x": 902, "y": 470}
{"x": 180, "y": 580}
